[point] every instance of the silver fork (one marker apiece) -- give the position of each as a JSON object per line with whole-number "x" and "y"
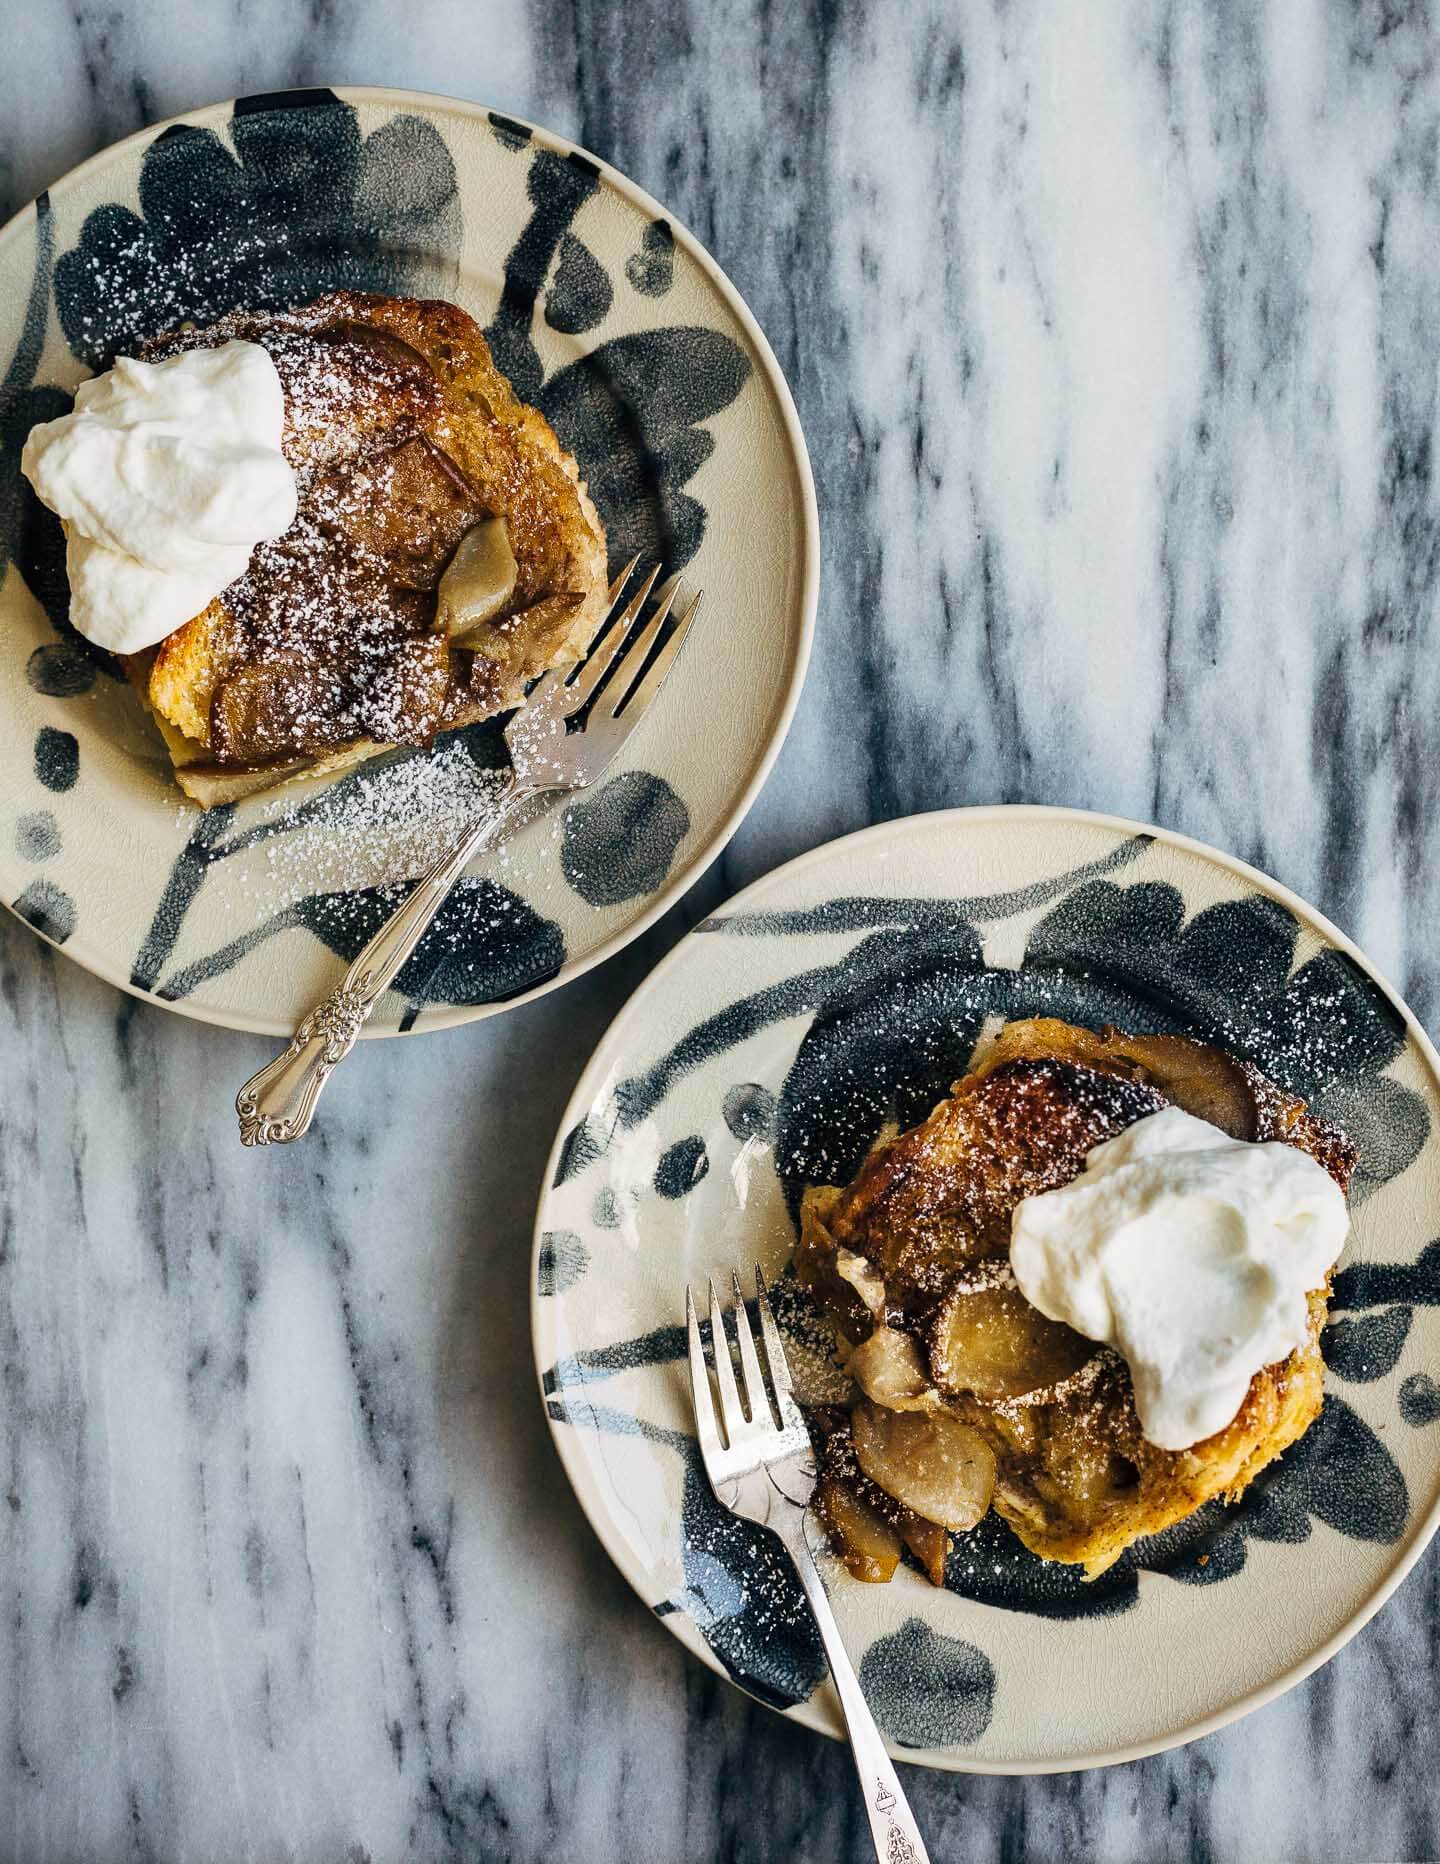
{"x": 546, "y": 755}
{"x": 763, "y": 1469}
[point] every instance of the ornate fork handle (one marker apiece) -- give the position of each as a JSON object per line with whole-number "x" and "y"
{"x": 277, "y": 1104}
{"x": 893, "y": 1830}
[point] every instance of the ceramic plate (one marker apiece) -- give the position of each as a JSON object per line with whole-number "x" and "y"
{"x": 605, "y": 314}
{"x": 850, "y": 988}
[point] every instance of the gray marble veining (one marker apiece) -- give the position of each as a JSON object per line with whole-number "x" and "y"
{"x": 1113, "y": 332}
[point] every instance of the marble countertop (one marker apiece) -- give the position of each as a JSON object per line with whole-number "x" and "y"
{"x": 1113, "y": 332}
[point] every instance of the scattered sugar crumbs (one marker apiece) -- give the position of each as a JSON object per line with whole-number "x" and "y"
{"x": 378, "y": 826}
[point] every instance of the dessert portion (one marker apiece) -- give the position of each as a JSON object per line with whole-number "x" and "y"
{"x": 438, "y": 553}
{"x": 1087, "y": 1291}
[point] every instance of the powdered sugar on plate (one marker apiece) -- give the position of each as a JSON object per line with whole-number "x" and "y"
{"x": 383, "y": 823}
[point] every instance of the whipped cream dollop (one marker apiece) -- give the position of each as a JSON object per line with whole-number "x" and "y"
{"x": 166, "y": 475}
{"x": 1189, "y": 1252}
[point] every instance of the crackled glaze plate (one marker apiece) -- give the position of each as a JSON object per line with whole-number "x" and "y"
{"x": 848, "y": 989}
{"x": 605, "y": 314}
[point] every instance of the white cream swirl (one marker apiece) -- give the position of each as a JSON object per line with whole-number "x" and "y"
{"x": 166, "y": 476}
{"x": 1189, "y": 1252}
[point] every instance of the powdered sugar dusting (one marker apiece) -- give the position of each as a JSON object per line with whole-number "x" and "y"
{"x": 404, "y": 817}
{"x": 329, "y": 635}
{"x": 378, "y": 826}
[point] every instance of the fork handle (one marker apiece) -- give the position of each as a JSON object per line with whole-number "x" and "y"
{"x": 277, "y": 1104}
{"x": 893, "y": 1830}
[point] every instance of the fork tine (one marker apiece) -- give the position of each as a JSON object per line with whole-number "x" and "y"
{"x": 775, "y": 1357}
{"x": 633, "y": 665}
{"x": 551, "y": 679}
{"x": 705, "y": 1430}
{"x": 637, "y": 701}
{"x": 602, "y": 656}
{"x": 756, "y": 1396}
{"x": 731, "y": 1414}
{"x": 613, "y": 595}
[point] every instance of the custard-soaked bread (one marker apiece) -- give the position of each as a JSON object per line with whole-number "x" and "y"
{"x": 911, "y": 1262}
{"x": 403, "y": 435}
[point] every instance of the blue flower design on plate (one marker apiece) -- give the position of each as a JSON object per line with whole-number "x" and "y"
{"x": 892, "y": 1022}
{"x": 302, "y": 202}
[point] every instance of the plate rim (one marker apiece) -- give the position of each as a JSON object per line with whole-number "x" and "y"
{"x": 566, "y": 1440}
{"x": 679, "y": 882}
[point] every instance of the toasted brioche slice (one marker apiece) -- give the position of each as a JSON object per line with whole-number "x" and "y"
{"x": 918, "y": 1247}
{"x": 372, "y": 383}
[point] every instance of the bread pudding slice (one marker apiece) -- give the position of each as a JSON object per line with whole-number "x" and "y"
{"x": 404, "y": 438}
{"x": 966, "y": 1395}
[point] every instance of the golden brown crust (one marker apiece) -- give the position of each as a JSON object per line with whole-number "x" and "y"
{"x": 512, "y": 456}
{"x": 930, "y": 1210}
{"x": 393, "y": 367}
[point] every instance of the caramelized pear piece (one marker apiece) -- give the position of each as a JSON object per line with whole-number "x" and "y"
{"x": 258, "y": 712}
{"x": 888, "y": 1368}
{"x": 478, "y": 581}
{"x": 928, "y": 1541}
{"x": 932, "y": 1462}
{"x": 405, "y": 695}
{"x": 992, "y": 1342}
{"x": 211, "y": 783}
{"x": 378, "y": 341}
{"x": 869, "y": 1546}
{"x": 405, "y": 509}
{"x": 861, "y": 1276}
{"x": 1205, "y": 1081}
{"x": 862, "y": 1520}
{"x": 817, "y": 1263}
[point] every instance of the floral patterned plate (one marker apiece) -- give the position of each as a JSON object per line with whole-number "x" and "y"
{"x": 769, "y": 1048}
{"x": 606, "y": 315}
